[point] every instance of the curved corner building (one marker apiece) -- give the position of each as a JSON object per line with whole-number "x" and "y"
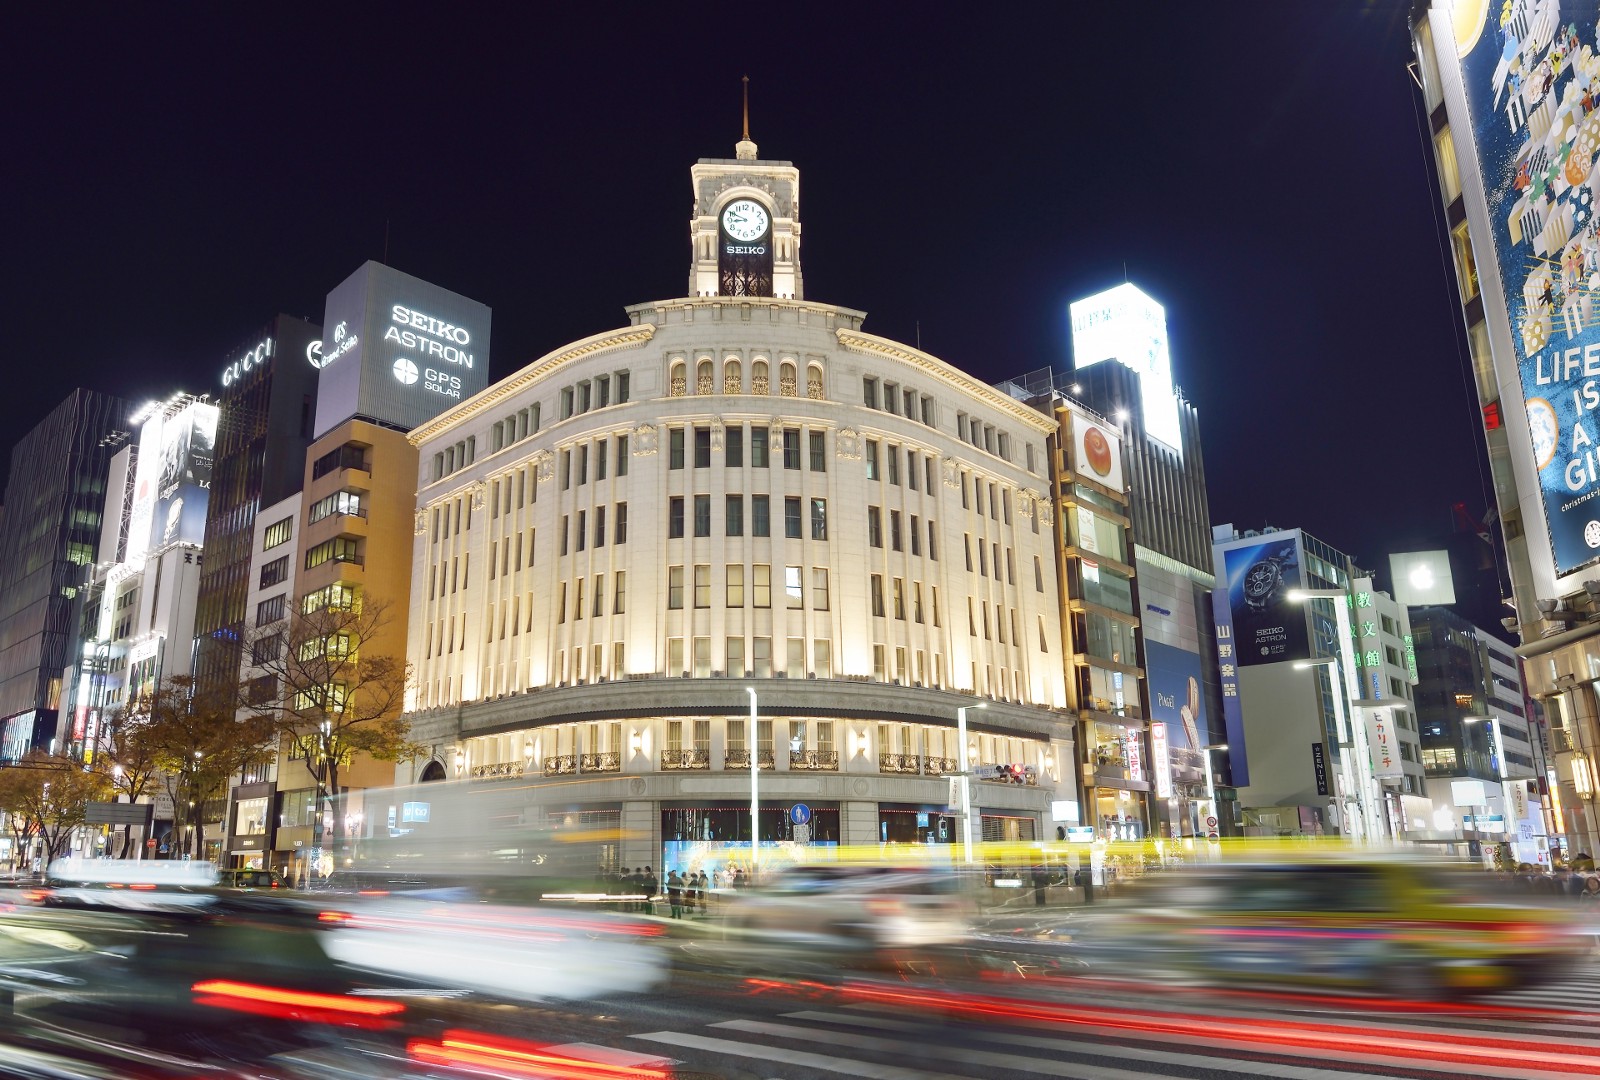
{"x": 742, "y": 490}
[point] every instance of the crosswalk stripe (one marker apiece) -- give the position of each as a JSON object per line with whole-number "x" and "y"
{"x": 986, "y": 1059}
{"x": 1139, "y": 1053}
{"x": 826, "y": 1062}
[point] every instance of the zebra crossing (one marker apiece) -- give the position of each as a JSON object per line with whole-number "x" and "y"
{"x": 890, "y": 1033}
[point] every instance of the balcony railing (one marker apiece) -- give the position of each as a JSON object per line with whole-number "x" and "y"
{"x": 686, "y": 759}
{"x": 560, "y": 764}
{"x": 814, "y": 760}
{"x": 899, "y": 763}
{"x": 609, "y": 761}
{"x": 740, "y": 759}
{"x": 497, "y": 770}
{"x": 940, "y": 766}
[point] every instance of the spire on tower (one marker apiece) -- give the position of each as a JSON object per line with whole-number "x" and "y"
{"x": 746, "y": 150}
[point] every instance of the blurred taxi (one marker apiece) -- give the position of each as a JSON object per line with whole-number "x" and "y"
{"x": 1405, "y": 927}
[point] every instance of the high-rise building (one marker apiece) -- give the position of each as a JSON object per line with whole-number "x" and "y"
{"x": 48, "y": 545}
{"x": 266, "y": 407}
{"x": 1512, "y": 123}
{"x": 742, "y": 491}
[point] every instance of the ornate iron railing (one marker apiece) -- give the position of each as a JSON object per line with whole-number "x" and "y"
{"x": 609, "y": 761}
{"x": 939, "y": 766}
{"x": 497, "y": 770}
{"x": 560, "y": 764}
{"x": 685, "y": 759}
{"x": 740, "y": 759}
{"x": 814, "y": 760}
{"x": 898, "y": 763}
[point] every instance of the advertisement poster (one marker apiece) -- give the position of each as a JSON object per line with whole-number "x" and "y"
{"x": 1228, "y": 677}
{"x": 1160, "y": 773}
{"x": 1268, "y": 627}
{"x": 188, "y": 443}
{"x": 1173, "y": 676}
{"x": 1532, "y": 82}
{"x": 1097, "y": 451}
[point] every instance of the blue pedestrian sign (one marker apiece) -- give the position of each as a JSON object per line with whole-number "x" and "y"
{"x": 800, "y": 813}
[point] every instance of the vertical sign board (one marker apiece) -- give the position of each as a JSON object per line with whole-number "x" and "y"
{"x": 1124, "y": 324}
{"x": 1228, "y": 677}
{"x": 398, "y": 349}
{"x": 1527, "y": 68}
{"x": 1160, "y": 769}
{"x": 1259, "y": 577}
{"x": 1096, "y": 450}
{"x": 1382, "y": 746}
{"x": 1319, "y": 765}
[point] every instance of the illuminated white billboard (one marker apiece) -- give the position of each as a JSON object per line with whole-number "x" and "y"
{"x": 1422, "y": 578}
{"x": 172, "y": 482}
{"x": 398, "y": 350}
{"x": 1124, "y": 324}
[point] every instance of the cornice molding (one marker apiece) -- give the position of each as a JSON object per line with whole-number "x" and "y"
{"x": 628, "y": 337}
{"x": 856, "y": 341}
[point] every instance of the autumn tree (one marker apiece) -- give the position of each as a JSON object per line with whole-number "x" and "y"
{"x": 126, "y": 757}
{"x": 196, "y": 741}
{"x": 335, "y": 696}
{"x": 46, "y": 796}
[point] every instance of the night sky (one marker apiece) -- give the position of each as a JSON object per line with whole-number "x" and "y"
{"x": 1257, "y": 168}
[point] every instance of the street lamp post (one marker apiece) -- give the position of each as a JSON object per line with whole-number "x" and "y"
{"x": 966, "y": 779}
{"x": 1211, "y": 787}
{"x": 755, "y": 782}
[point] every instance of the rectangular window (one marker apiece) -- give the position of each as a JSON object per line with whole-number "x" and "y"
{"x": 796, "y": 667}
{"x": 566, "y": 469}
{"x": 271, "y": 610}
{"x": 622, "y": 387}
{"x": 983, "y": 559}
{"x": 911, "y": 469}
{"x": 279, "y": 532}
{"x": 577, "y": 599}
{"x": 927, "y": 470}
{"x": 599, "y": 526}
{"x": 602, "y": 386}
{"x": 347, "y": 503}
{"x": 819, "y": 519}
{"x": 1038, "y": 575}
{"x": 343, "y": 549}
{"x": 933, "y": 552}
{"x": 965, "y": 505}
{"x": 869, "y": 392}
{"x": 761, "y": 585}
{"x": 581, "y": 533}
{"x": 275, "y": 572}
{"x": 600, "y": 449}
{"x": 583, "y": 464}
{"x": 818, "y": 447}
{"x": 792, "y": 588}
{"x": 822, "y": 666}
{"x": 563, "y": 534}
{"x": 758, "y": 447}
{"x": 733, "y": 447}
{"x": 702, "y": 515}
{"x": 675, "y": 517}
{"x": 675, "y": 656}
{"x": 622, "y": 455}
{"x": 761, "y": 659}
{"x": 702, "y": 586}
{"x": 894, "y": 530}
{"x": 760, "y": 516}
{"x": 675, "y": 448}
{"x": 702, "y": 448}
{"x": 791, "y": 448}
{"x": 733, "y": 515}
{"x": 916, "y": 535}
{"x": 819, "y": 588}
{"x": 872, "y": 459}
{"x": 791, "y": 517}
{"x": 877, "y": 595}
{"x": 874, "y": 527}
{"x": 621, "y": 603}
{"x": 735, "y": 658}
{"x": 674, "y": 587}
{"x": 892, "y": 458}
{"x": 622, "y": 526}
{"x": 702, "y": 658}
{"x": 899, "y": 598}
{"x": 916, "y": 600}
{"x": 734, "y": 573}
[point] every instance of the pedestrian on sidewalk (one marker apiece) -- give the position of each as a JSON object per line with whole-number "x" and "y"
{"x": 675, "y": 894}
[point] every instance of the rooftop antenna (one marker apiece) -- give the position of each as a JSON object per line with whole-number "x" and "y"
{"x": 919, "y": 335}
{"x": 746, "y": 81}
{"x": 1125, "y": 279}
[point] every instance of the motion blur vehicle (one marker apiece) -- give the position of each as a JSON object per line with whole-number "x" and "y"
{"x": 178, "y": 977}
{"x": 249, "y": 879}
{"x": 1406, "y": 927}
{"x": 854, "y": 909}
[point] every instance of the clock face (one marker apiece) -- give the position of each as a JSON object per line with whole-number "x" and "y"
{"x": 745, "y": 220}
{"x": 1262, "y": 580}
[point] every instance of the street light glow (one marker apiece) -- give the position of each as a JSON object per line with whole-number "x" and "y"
{"x": 970, "y": 755}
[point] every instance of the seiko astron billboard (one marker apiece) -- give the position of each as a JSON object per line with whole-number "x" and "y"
{"x": 398, "y": 350}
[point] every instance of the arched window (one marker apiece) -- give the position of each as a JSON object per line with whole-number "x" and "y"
{"x": 702, "y": 376}
{"x": 680, "y": 383}
{"x": 814, "y": 382}
{"x": 731, "y": 382}
{"x": 786, "y": 384}
{"x": 758, "y": 378}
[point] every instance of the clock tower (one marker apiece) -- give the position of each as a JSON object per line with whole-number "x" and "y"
{"x": 745, "y": 233}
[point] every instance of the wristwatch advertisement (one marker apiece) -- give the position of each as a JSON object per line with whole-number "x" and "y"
{"x": 1270, "y": 627}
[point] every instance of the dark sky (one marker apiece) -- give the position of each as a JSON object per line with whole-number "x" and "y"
{"x": 170, "y": 184}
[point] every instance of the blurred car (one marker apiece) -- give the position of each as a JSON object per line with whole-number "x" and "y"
{"x": 855, "y": 908}
{"x": 249, "y": 879}
{"x": 189, "y": 980}
{"x": 1405, "y": 927}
